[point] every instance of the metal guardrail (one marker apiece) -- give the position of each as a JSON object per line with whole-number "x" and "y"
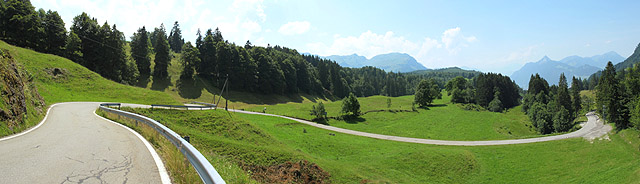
{"x": 205, "y": 104}
{"x": 181, "y": 106}
{"x": 207, "y": 173}
{"x": 111, "y": 104}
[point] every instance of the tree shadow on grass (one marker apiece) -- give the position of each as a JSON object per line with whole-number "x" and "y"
{"x": 437, "y": 105}
{"x": 353, "y": 119}
{"x": 210, "y": 84}
{"x": 160, "y": 84}
{"x": 428, "y": 107}
{"x": 324, "y": 121}
{"x": 143, "y": 81}
{"x": 188, "y": 87}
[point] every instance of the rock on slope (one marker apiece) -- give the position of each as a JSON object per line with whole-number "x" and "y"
{"x": 19, "y": 96}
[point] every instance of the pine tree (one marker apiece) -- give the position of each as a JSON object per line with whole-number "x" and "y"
{"x": 496, "y": 104}
{"x": 175, "y": 38}
{"x": 74, "y": 48}
{"x": 55, "y": 33}
{"x": 162, "y": 55}
{"x": 140, "y": 51}
{"x": 575, "y": 94}
{"x": 609, "y": 96}
{"x": 22, "y": 24}
{"x": 190, "y": 59}
{"x": 563, "y": 98}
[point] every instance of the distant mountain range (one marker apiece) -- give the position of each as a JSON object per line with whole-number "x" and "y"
{"x": 571, "y": 66}
{"x": 396, "y": 62}
{"x": 627, "y": 63}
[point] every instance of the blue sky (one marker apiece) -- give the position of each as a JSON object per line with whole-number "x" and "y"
{"x": 492, "y": 36}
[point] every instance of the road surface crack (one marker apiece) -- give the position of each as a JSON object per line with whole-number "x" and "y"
{"x": 100, "y": 173}
{"x": 74, "y": 159}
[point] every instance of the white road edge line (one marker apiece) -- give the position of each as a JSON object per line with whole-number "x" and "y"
{"x": 164, "y": 175}
{"x": 33, "y": 128}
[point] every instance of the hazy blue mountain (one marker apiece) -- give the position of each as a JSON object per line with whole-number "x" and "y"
{"x": 396, "y": 62}
{"x": 627, "y": 63}
{"x": 599, "y": 61}
{"x": 353, "y": 61}
{"x": 551, "y": 70}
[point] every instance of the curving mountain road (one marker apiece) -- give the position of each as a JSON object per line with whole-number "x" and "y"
{"x": 593, "y": 128}
{"x": 73, "y": 145}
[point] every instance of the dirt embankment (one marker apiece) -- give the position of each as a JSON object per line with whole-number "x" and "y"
{"x": 18, "y": 95}
{"x": 290, "y": 172}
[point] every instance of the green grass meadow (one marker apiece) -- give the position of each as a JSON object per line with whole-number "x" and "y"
{"x": 233, "y": 139}
{"x": 443, "y": 120}
{"x": 78, "y": 83}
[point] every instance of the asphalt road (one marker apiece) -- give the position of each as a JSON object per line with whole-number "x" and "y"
{"x": 593, "y": 128}
{"x": 73, "y": 145}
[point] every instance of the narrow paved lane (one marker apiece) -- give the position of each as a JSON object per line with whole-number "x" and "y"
{"x": 593, "y": 127}
{"x": 73, "y": 145}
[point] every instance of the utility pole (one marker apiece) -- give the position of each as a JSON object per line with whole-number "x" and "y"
{"x": 604, "y": 116}
{"x": 222, "y": 90}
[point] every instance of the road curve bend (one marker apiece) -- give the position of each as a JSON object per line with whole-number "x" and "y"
{"x": 593, "y": 127}
{"x": 73, "y": 145}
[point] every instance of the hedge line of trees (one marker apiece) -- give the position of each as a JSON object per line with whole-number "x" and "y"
{"x": 268, "y": 70}
{"x": 22, "y": 25}
{"x": 552, "y": 108}
{"x": 618, "y": 96}
{"x": 494, "y": 92}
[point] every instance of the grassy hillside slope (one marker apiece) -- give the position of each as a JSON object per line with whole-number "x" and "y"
{"x": 58, "y": 79}
{"x": 443, "y": 120}
{"x": 72, "y": 82}
{"x": 236, "y": 143}
{"x": 202, "y": 90}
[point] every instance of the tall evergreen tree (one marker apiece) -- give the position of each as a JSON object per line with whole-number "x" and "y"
{"x": 208, "y": 55}
{"x": 22, "y": 24}
{"x": 563, "y": 98}
{"x": 73, "y": 49}
{"x": 121, "y": 65}
{"x": 496, "y": 104}
{"x": 190, "y": 59}
{"x": 175, "y": 38}
{"x": 162, "y": 57}
{"x": 140, "y": 50}
{"x": 86, "y": 28}
{"x": 3, "y": 19}
{"x": 610, "y": 98}
{"x": 575, "y": 94}
{"x": 217, "y": 36}
{"x": 55, "y": 33}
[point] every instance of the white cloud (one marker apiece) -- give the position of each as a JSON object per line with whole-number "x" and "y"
{"x": 432, "y": 53}
{"x": 453, "y": 40}
{"x": 251, "y": 26}
{"x": 294, "y": 28}
{"x": 368, "y": 44}
{"x": 254, "y": 8}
